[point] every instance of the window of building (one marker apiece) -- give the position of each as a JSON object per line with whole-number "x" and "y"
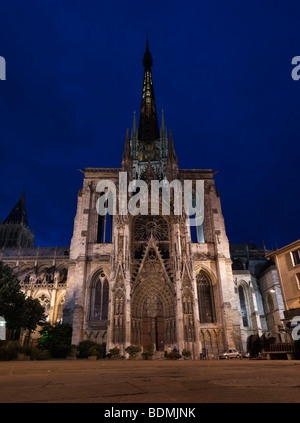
{"x": 105, "y": 225}
{"x": 298, "y": 280}
{"x": 60, "y": 309}
{"x": 243, "y": 306}
{"x": 27, "y": 278}
{"x": 49, "y": 278}
{"x": 44, "y": 300}
{"x": 197, "y": 232}
{"x": 104, "y": 233}
{"x": 205, "y": 299}
{"x": 296, "y": 256}
{"x": 99, "y": 298}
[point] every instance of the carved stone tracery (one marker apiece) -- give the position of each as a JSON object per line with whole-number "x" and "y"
{"x": 152, "y": 301}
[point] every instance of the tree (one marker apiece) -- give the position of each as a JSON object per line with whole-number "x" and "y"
{"x": 34, "y": 315}
{"x": 12, "y": 300}
{"x": 18, "y": 311}
{"x": 56, "y": 339}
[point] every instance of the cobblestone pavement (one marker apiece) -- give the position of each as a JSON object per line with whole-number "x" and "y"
{"x": 168, "y": 382}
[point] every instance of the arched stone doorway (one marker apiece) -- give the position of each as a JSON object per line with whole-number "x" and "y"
{"x": 152, "y": 302}
{"x": 153, "y": 315}
{"x": 153, "y": 322}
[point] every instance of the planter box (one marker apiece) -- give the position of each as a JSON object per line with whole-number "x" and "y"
{"x": 70, "y": 357}
{"x": 92, "y": 357}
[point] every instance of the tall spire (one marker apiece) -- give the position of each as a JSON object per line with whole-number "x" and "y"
{"x": 127, "y": 157}
{"x": 163, "y": 129}
{"x": 172, "y": 161}
{"x": 18, "y": 214}
{"x": 134, "y": 135}
{"x": 15, "y": 231}
{"x": 126, "y": 152}
{"x": 172, "y": 156}
{"x": 148, "y": 128}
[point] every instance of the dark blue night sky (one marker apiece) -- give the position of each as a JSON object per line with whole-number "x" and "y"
{"x": 222, "y": 74}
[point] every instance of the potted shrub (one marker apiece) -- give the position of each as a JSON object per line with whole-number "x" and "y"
{"x": 174, "y": 355}
{"x": 114, "y": 353}
{"x": 149, "y": 352}
{"x": 38, "y": 354}
{"x": 84, "y": 347}
{"x": 133, "y": 351}
{"x": 93, "y": 353}
{"x": 73, "y": 353}
{"x": 186, "y": 354}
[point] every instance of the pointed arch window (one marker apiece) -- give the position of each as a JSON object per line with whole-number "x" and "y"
{"x": 27, "y": 278}
{"x": 243, "y": 306}
{"x": 205, "y": 299}
{"x": 105, "y": 223}
{"x": 49, "y": 277}
{"x": 99, "y": 299}
{"x": 60, "y": 308}
{"x": 104, "y": 232}
{"x": 97, "y": 303}
{"x": 105, "y": 300}
{"x": 197, "y": 232}
{"x": 45, "y": 301}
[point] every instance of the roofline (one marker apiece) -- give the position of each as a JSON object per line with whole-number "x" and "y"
{"x": 116, "y": 169}
{"x": 283, "y": 249}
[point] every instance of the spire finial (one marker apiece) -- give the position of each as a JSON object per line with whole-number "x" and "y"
{"x": 134, "y": 130}
{"x": 147, "y": 62}
{"x": 148, "y": 127}
{"x": 163, "y": 129}
{"x": 127, "y": 153}
{"x": 171, "y": 152}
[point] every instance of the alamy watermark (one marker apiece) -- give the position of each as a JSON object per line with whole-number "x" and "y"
{"x": 2, "y": 69}
{"x": 296, "y": 69}
{"x": 295, "y": 324}
{"x": 134, "y": 198}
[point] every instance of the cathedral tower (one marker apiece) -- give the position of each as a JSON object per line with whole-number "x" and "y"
{"x": 150, "y": 277}
{"x": 15, "y": 231}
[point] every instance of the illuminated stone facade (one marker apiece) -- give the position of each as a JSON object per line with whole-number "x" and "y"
{"x": 153, "y": 279}
{"x": 140, "y": 279}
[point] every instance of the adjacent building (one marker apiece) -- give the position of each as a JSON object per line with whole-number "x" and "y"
{"x": 287, "y": 260}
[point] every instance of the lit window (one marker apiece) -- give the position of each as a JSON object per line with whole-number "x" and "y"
{"x": 298, "y": 280}
{"x": 243, "y": 306}
{"x": 197, "y": 232}
{"x": 105, "y": 223}
{"x": 100, "y": 304}
{"x": 296, "y": 257}
{"x": 205, "y": 299}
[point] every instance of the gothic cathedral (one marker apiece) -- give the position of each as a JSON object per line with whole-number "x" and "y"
{"x": 141, "y": 279}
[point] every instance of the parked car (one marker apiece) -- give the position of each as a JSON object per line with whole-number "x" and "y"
{"x": 229, "y": 354}
{"x": 246, "y": 355}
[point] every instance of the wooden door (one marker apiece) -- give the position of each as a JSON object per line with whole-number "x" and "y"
{"x": 146, "y": 332}
{"x": 160, "y": 333}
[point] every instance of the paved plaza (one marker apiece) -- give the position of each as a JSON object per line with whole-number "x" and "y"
{"x": 168, "y": 382}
